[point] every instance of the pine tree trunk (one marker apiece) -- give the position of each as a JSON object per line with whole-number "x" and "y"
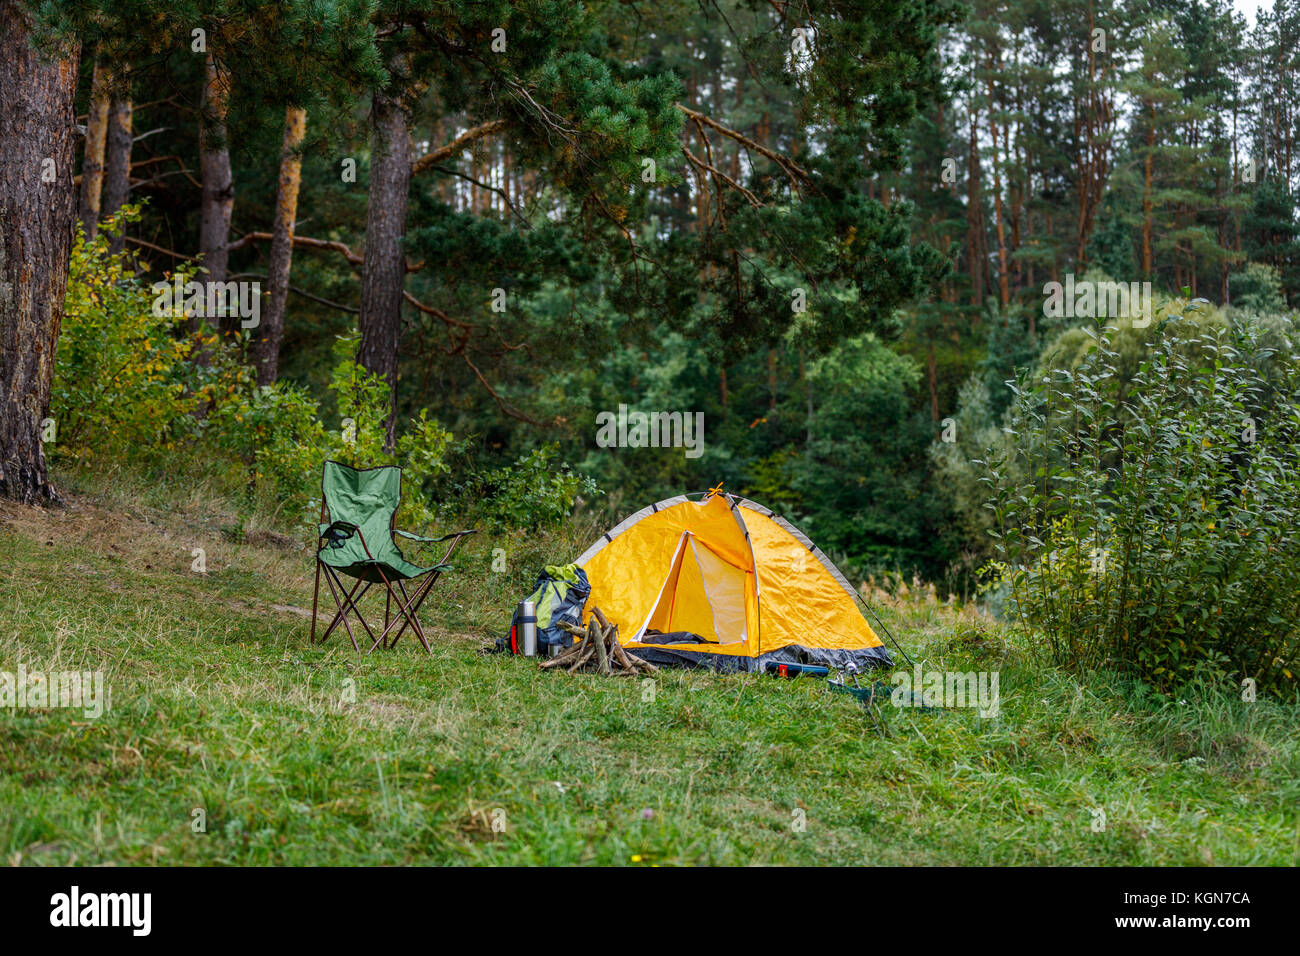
{"x": 92, "y": 164}
{"x": 1146, "y": 198}
{"x": 473, "y": 182}
{"x": 507, "y": 178}
{"x": 271, "y": 330}
{"x": 37, "y": 221}
{"x": 932, "y": 373}
{"x": 1221, "y": 234}
{"x": 771, "y": 380}
{"x": 1004, "y": 293}
{"x": 1056, "y": 262}
{"x": 1019, "y": 187}
{"x": 218, "y": 188}
{"x": 117, "y": 162}
{"x": 974, "y": 221}
{"x": 383, "y": 274}
{"x": 807, "y": 400}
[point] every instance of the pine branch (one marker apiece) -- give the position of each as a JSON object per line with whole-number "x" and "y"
{"x": 793, "y": 170}
{"x": 748, "y": 194}
{"x": 307, "y": 242}
{"x": 150, "y": 245}
{"x": 437, "y": 313}
{"x": 515, "y": 210}
{"x": 302, "y": 292}
{"x": 501, "y": 402}
{"x": 456, "y": 145}
{"x": 467, "y": 329}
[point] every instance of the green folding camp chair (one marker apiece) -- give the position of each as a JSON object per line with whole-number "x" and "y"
{"x": 357, "y": 540}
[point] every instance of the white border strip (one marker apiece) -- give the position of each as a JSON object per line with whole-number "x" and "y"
{"x": 626, "y": 523}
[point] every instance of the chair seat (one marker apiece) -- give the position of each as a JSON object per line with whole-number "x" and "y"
{"x": 393, "y": 568}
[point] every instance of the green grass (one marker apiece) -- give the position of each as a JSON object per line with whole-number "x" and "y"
{"x": 219, "y": 704}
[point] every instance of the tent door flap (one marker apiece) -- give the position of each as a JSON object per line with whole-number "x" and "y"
{"x": 701, "y": 593}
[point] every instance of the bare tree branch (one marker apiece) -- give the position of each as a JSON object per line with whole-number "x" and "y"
{"x": 748, "y": 194}
{"x": 456, "y": 145}
{"x": 307, "y": 242}
{"x": 501, "y": 402}
{"x": 302, "y": 292}
{"x": 150, "y": 245}
{"x": 793, "y": 170}
{"x": 515, "y": 210}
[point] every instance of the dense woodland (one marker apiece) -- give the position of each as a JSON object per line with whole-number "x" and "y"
{"x": 827, "y": 225}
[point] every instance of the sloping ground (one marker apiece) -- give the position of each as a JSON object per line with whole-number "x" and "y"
{"x": 221, "y": 714}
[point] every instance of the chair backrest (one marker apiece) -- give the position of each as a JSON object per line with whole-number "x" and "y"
{"x": 365, "y": 497}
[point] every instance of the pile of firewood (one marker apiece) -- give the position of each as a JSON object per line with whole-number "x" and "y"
{"x": 598, "y": 650}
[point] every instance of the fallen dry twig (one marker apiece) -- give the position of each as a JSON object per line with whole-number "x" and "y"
{"x": 598, "y": 650}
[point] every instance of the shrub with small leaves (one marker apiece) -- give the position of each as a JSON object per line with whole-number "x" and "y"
{"x": 277, "y": 430}
{"x": 117, "y": 387}
{"x": 1152, "y": 522}
{"x": 535, "y": 491}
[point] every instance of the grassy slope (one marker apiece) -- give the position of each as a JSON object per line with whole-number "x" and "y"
{"x": 218, "y": 702}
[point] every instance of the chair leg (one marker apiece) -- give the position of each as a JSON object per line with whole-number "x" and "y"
{"x": 315, "y": 596}
{"x": 392, "y": 642}
{"x": 388, "y": 600}
{"x": 346, "y": 603}
{"x": 405, "y": 619}
{"x": 355, "y": 606}
{"x": 420, "y": 595}
{"x": 388, "y": 587}
{"x": 407, "y": 613}
{"x": 342, "y": 613}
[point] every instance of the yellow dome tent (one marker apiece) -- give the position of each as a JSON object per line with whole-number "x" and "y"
{"x": 733, "y": 573}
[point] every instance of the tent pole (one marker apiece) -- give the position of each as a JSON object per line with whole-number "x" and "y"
{"x": 888, "y": 633}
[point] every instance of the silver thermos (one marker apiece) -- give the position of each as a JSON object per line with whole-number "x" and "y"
{"x": 528, "y": 628}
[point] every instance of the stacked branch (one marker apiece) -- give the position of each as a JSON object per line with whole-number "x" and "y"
{"x": 598, "y": 650}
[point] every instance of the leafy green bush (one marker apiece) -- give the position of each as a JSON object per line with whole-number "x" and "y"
{"x": 535, "y": 491}
{"x": 275, "y": 434}
{"x": 984, "y": 400}
{"x": 1152, "y": 521}
{"x": 278, "y": 432}
{"x": 118, "y": 385}
{"x": 1257, "y": 288}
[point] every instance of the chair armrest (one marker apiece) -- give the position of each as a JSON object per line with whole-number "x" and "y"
{"x": 344, "y": 530}
{"x": 445, "y": 537}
